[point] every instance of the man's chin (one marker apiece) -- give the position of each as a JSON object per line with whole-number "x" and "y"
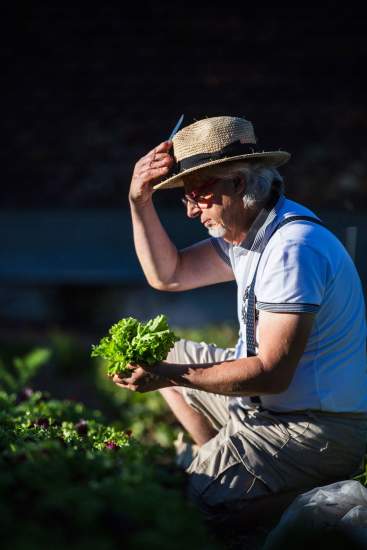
{"x": 217, "y": 231}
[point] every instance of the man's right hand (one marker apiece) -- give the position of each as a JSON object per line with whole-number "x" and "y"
{"x": 148, "y": 171}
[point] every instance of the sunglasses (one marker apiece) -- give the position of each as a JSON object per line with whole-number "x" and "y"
{"x": 200, "y": 198}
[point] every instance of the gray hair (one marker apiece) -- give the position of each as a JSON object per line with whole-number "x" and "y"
{"x": 259, "y": 181}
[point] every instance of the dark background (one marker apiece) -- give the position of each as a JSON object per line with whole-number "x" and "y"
{"x": 87, "y": 91}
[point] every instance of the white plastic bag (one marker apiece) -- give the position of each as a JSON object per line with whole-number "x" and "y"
{"x": 332, "y": 516}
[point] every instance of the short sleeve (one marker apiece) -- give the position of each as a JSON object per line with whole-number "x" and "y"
{"x": 291, "y": 278}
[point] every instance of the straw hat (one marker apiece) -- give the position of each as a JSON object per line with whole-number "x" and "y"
{"x": 214, "y": 141}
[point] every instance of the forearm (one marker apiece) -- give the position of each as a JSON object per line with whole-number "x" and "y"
{"x": 239, "y": 377}
{"x": 157, "y": 254}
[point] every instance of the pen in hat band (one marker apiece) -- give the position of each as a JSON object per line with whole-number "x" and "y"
{"x": 231, "y": 150}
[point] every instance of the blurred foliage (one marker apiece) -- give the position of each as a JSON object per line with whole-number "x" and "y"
{"x": 109, "y": 468}
{"x": 66, "y": 368}
{"x": 84, "y": 484}
{"x": 222, "y": 335}
{"x": 14, "y": 374}
{"x": 146, "y": 414}
{"x": 68, "y": 353}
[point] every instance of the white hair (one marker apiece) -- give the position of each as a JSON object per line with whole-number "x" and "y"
{"x": 259, "y": 180}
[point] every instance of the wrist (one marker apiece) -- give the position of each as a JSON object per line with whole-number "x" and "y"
{"x": 139, "y": 202}
{"x": 175, "y": 374}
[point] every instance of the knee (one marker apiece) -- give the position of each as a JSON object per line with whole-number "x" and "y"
{"x": 230, "y": 491}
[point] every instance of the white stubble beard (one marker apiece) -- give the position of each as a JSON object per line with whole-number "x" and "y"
{"x": 217, "y": 231}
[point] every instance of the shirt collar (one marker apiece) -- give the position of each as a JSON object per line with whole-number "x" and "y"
{"x": 265, "y": 217}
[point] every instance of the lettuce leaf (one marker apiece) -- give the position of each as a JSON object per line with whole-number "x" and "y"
{"x": 130, "y": 341}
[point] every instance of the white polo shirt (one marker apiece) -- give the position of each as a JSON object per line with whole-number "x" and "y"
{"x": 305, "y": 268}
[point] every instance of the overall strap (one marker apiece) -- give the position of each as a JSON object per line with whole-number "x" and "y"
{"x": 250, "y": 294}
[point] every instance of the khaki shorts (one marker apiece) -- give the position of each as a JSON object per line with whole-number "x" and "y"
{"x": 258, "y": 452}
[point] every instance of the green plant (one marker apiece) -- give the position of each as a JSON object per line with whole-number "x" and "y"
{"x": 131, "y": 341}
{"x": 21, "y": 370}
{"x": 75, "y": 482}
{"x": 147, "y": 414}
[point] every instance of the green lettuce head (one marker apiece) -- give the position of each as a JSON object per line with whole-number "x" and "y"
{"x": 130, "y": 341}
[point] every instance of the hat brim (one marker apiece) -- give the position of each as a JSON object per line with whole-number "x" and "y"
{"x": 270, "y": 158}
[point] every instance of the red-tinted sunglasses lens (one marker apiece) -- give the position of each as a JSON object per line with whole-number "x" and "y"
{"x": 201, "y": 191}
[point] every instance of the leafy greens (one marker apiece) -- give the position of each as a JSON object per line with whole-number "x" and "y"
{"x": 130, "y": 341}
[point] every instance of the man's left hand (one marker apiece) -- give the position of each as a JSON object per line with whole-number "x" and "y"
{"x": 141, "y": 379}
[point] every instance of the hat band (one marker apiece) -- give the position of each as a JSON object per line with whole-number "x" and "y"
{"x": 231, "y": 150}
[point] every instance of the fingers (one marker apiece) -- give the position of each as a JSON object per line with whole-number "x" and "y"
{"x": 119, "y": 380}
{"x": 151, "y": 168}
{"x": 127, "y": 379}
{"x": 148, "y": 172}
{"x": 163, "y": 147}
{"x": 132, "y": 366}
{"x": 130, "y": 387}
{"x": 126, "y": 383}
{"x": 156, "y": 160}
{"x": 153, "y": 165}
{"x": 157, "y": 157}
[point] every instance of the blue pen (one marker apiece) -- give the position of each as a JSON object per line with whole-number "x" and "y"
{"x": 176, "y": 128}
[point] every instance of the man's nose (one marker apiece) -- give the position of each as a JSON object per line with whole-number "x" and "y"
{"x": 193, "y": 210}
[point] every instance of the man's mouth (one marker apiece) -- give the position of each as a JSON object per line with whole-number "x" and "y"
{"x": 207, "y": 223}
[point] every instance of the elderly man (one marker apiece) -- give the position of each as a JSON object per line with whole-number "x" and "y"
{"x": 287, "y": 408}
